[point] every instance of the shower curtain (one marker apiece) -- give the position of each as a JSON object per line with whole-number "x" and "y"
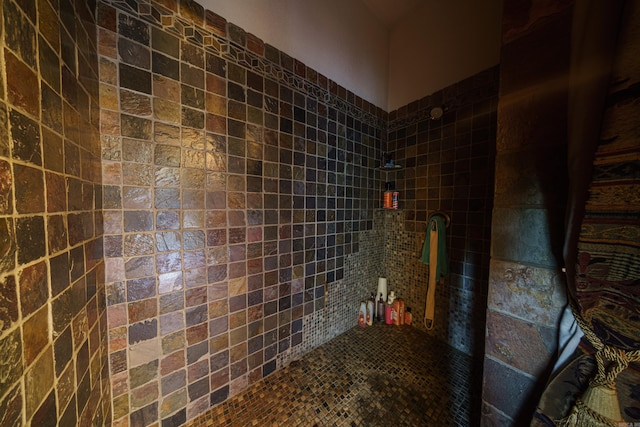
{"x": 602, "y": 242}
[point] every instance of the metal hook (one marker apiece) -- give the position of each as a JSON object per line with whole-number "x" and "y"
{"x": 447, "y": 218}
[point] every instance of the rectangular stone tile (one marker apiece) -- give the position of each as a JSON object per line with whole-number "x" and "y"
{"x": 518, "y": 236}
{"x": 506, "y": 389}
{"x": 527, "y": 292}
{"x": 525, "y": 346}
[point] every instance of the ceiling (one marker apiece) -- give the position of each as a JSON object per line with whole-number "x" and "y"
{"x": 389, "y": 12}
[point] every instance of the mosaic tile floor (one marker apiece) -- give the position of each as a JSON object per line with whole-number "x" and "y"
{"x": 374, "y": 376}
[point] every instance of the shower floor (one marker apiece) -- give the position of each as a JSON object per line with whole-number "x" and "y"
{"x": 374, "y": 376}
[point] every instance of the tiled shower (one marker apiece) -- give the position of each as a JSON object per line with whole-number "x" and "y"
{"x": 188, "y": 209}
{"x": 447, "y": 165}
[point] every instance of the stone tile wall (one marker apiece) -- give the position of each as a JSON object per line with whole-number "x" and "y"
{"x": 239, "y": 197}
{"x": 53, "y": 330}
{"x": 447, "y": 165}
{"x": 526, "y": 285}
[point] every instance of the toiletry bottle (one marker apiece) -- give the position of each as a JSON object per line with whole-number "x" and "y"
{"x": 374, "y": 312}
{"x": 400, "y": 311}
{"x": 382, "y": 288}
{"x": 396, "y": 311}
{"x": 388, "y": 314}
{"x": 370, "y": 306}
{"x": 380, "y": 309}
{"x": 407, "y": 316}
{"x": 388, "y": 196}
{"x": 362, "y": 314}
{"x": 395, "y": 196}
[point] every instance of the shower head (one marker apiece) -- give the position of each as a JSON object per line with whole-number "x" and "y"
{"x": 436, "y": 113}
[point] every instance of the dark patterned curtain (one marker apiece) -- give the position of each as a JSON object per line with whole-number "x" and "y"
{"x": 605, "y": 124}
{"x": 602, "y": 245}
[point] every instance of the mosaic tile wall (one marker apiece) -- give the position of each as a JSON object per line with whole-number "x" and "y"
{"x": 239, "y": 197}
{"x": 53, "y": 330}
{"x": 343, "y": 297}
{"x": 447, "y": 165}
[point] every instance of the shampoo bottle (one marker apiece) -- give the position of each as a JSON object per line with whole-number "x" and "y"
{"x": 407, "y": 316}
{"x": 370, "y": 308}
{"x": 387, "y": 201}
{"x": 400, "y": 311}
{"x": 374, "y": 313}
{"x": 380, "y": 309}
{"x": 362, "y": 314}
{"x": 389, "y": 313}
{"x": 396, "y": 311}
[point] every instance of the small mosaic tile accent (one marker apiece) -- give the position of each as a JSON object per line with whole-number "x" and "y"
{"x": 373, "y": 376}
